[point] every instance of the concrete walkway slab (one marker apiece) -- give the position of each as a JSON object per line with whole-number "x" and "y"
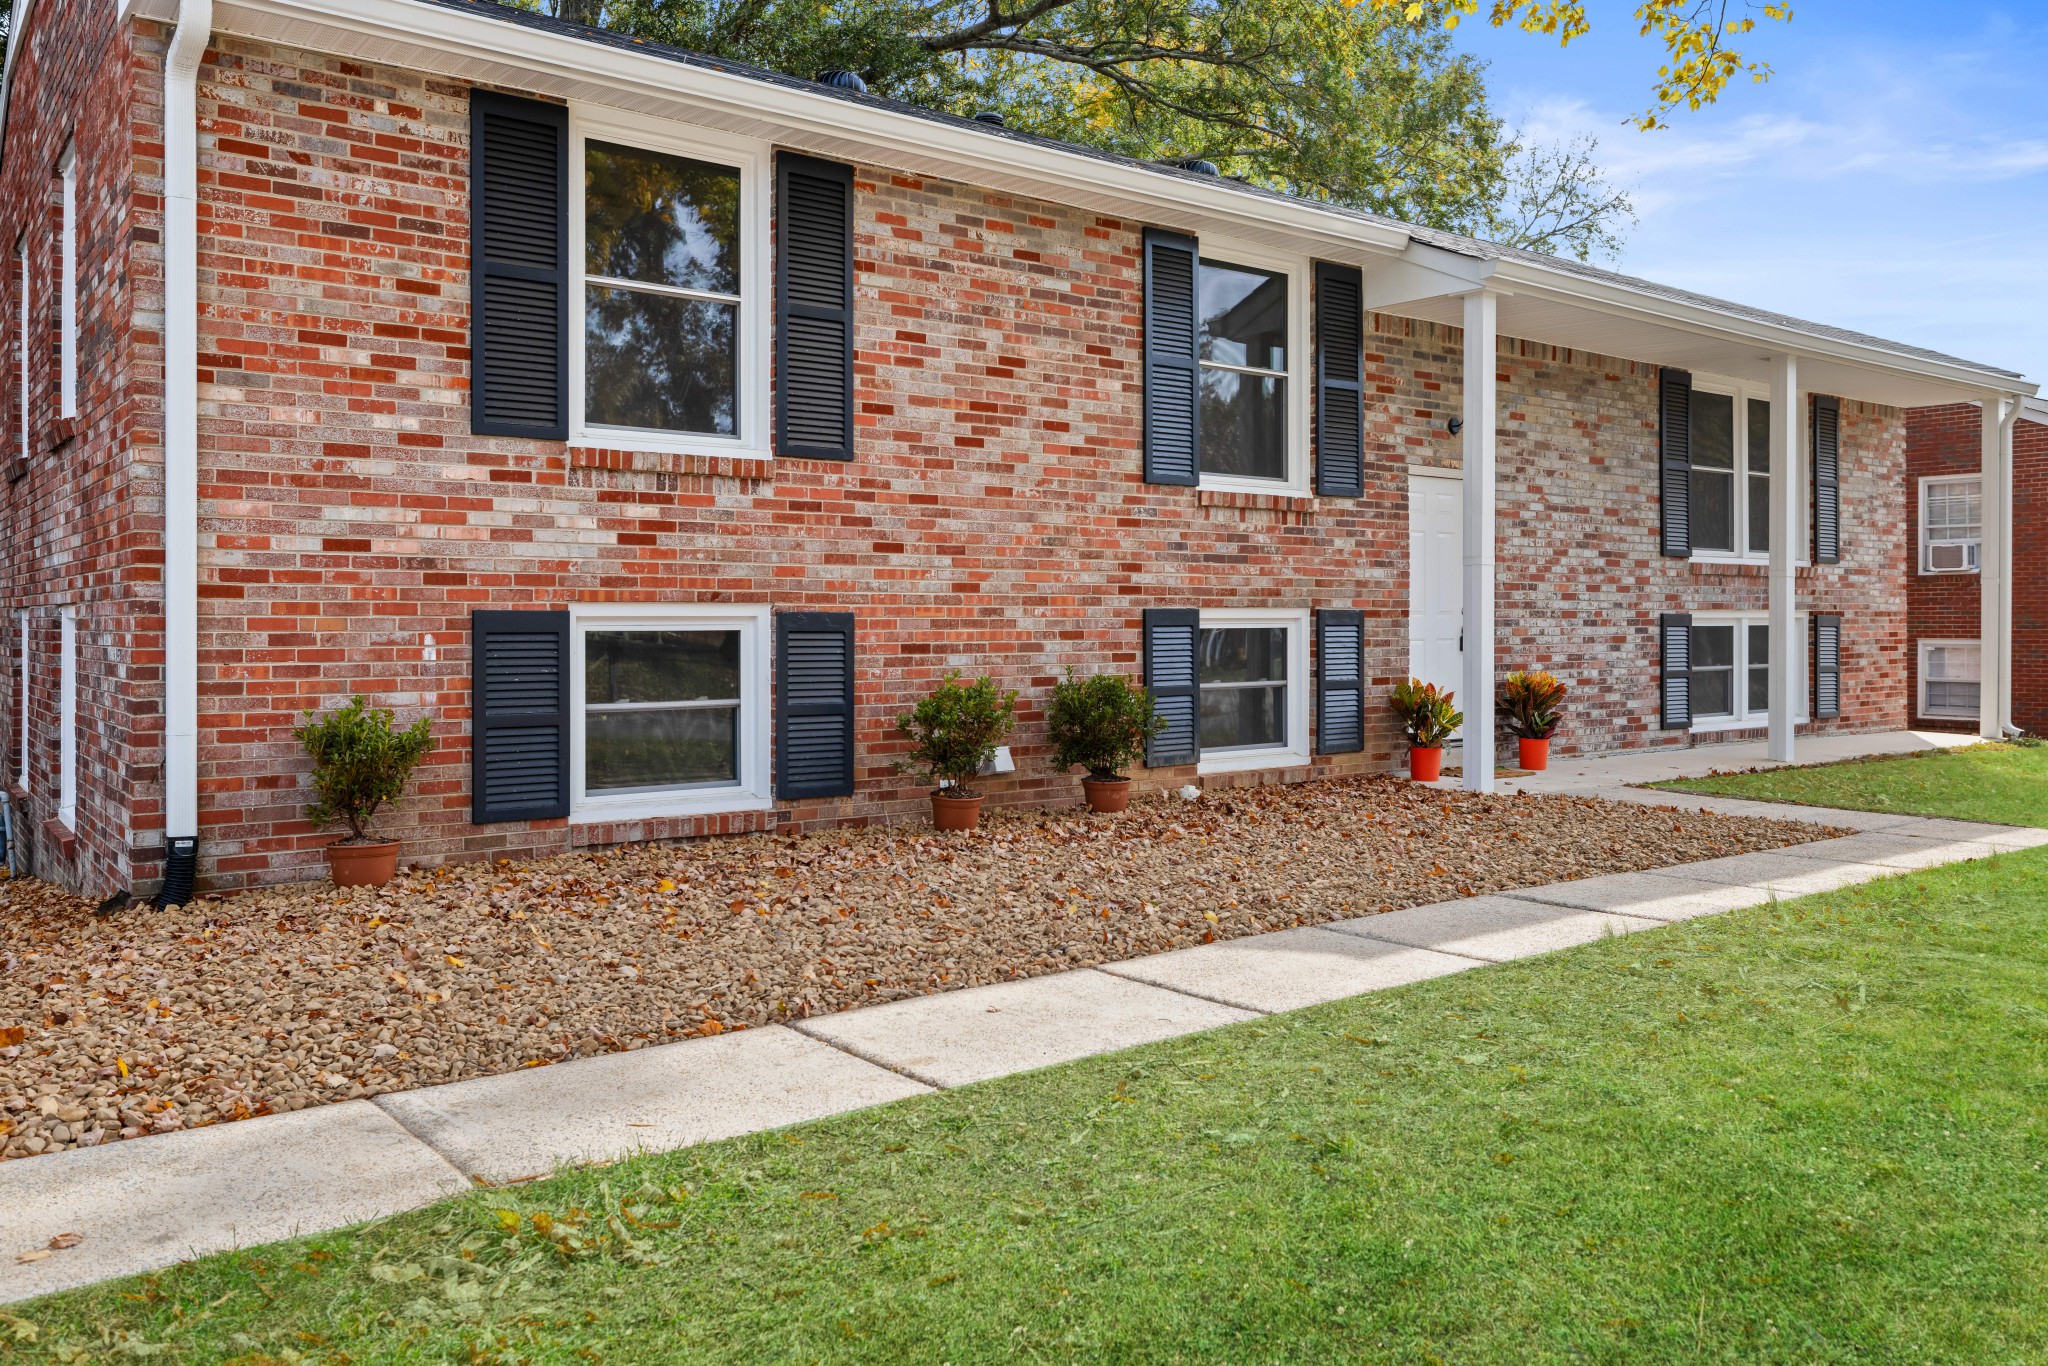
{"x": 1743, "y": 806}
{"x": 1290, "y": 969}
{"x": 526, "y": 1124}
{"x": 1902, "y": 850}
{"x": 1653, "y": 896}
{"x": 1493, "y": 928}
{"x": 147, "y": 1203}
{"x": 966, "y": 1036}
{"x": 2005, "y": 836}
{"x": 1786, "y": 874}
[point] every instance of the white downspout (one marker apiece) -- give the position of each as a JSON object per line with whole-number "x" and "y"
{"x": 181, "y": 417}
{"x": 2003, "y": 702}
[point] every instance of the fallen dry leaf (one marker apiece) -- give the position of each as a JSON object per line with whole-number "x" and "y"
{"x": 64, "y": 1240}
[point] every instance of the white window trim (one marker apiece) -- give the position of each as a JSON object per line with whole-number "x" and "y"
{"x": 21, "y": 625}
{"x": 1920, "y": 676}
{"x": 1801, "y": 684}
{"x": 67, "y": 360}
{"x": 755, "y": 324}
{"x": 67, "y": 718}
{"x": 1742, "y": 392}
{"x": 752, "y": 792}
{"x": 1295, "y": 751}
{"x": 21, "y": 349}
{"x": 1296, "y": 268}
{"x": 1926, "y": 541}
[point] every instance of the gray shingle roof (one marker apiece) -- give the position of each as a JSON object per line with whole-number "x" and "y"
{"x": 1436, "y": 237}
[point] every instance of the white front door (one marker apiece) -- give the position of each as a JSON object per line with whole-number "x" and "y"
{"x": 1436, "y": 579}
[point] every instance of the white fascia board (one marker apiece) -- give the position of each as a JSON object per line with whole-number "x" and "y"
{"x": 1524, "y": 277}
{"x": 427, "y": 37}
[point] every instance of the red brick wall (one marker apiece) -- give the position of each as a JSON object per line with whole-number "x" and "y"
{"x": 994, "y": 520}
{"x": 80, "y": 511}
{"x": 1948, "y": 440}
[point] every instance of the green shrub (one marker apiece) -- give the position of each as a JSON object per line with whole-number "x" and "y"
{"x": 1529, "y": 704}
{"x": 359, "y": 764}
{"x": 1100, "y": 723}
{"x": 955, "y": 731}
{"x": 1426, "y": 713}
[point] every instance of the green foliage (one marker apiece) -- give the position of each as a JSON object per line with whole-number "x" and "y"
{"x": 1529, "y": 703}
{"x": 2006, "y": 784}
{"x": 1329, "y": 99}
{"x": 359, "y": 763}
{"x": 955, "y": 730}
{"x": 1426, "y": 712}
{"x": 1100, "y": 723}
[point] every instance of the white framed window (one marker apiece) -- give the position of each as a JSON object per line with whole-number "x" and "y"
{"x": 21, "y": 343}
{"x": 1252, "y": 667}
{"x": 1731, "y": 670}
{"x": 670, "y": 710}
{"x": 1252, "y": 341}
{"x": 1951, "y": 524}
{"x": 21, "y": 696}
{"x": 1950, "y": 674}
{"x": 67, "y": 718}
{"x": 668, "y": 243}
{"x": 67, "y": 356}
{"x": 1730, "y": 507}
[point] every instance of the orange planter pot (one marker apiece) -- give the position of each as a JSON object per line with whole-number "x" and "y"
{"x": 1535, "y": 753}
{"x": 363, "y": 865}
{"x": 1426, "y": 765}
{"x": 1106, "y": 796}
{"x": 956, "y": 813}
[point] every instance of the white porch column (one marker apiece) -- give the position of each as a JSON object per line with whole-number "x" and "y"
{"x": 1994, "y": 571}
{"x": 1787, "y": 536}
{"x": 1481, "y": 408}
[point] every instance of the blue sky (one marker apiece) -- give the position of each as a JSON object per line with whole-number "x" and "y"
{"x": 1892, "y": 176}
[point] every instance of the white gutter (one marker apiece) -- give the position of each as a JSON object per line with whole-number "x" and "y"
{"x": 181, "y": 417}
{"x": 17, "y": 33}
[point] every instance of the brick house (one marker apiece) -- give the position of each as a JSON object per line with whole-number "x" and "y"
{"x": 1947, "y": 515}
{"x": 662, "y": 428}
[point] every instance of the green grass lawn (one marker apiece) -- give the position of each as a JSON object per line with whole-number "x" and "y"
{"x": 1808, "y": 1132}
{"x": 2007, "y": 784}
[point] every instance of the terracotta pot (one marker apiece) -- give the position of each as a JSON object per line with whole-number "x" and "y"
{"x": 363, "y": 865}
{"x": 1426, "y": 765}
{"x": 1535, "y": 753}
{"x": 1106, "y": 796}
{"x": 956, "y": 813}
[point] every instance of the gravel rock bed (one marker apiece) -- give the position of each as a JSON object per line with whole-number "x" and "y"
{"x": 149, "y": 1021}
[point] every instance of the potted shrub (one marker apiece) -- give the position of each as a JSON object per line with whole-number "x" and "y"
{"x": 1429, "y": 719}
{"x": 1529, "y": 702}
{"x": 360, "y": 764}
{"x": 952, "y": 733}
{"x": 1101, "y": 724}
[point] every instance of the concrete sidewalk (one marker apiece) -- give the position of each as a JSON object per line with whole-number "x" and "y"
{"x": 147, "y": 1203}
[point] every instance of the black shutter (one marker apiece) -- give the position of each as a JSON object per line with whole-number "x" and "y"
{"x": 1827, "y": 480}
{"x": 814, "y": 704}
{"x": 813, "y": 307}
{"x": 1827, "y": 665}
{"x": 1173, "y": 676}
{"x": 1340, "y": 681}
{"x": 1674, "y": 458}
{"x": 519, "y": 716}
{"x": 1340, "y": 382}
{"x": 519, "y": 267}
{"x": 1173, "y": 433}
{"x": 1674, "y": 630}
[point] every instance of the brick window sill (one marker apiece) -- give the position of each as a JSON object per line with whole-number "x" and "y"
{"x": 60, "y": 432}
{"x": 1750, "y": 569}
{"x": 63, "y": 836}
{"x": 1296, "y": 508}
{"x": 627, "y": 461}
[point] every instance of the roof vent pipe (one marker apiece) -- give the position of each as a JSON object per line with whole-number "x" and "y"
{"x": 844, "y": 80}
{"x": 182, "y": 58}
{"x": 1198, "y": 166}
{"x": 991, "y": 118}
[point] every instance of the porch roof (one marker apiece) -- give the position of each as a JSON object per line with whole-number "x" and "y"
{"x": 1414, "y": 271}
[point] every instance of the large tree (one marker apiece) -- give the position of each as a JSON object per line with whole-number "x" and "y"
{"x": 1333, "y": 99}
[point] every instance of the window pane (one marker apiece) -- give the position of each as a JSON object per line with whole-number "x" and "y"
{"x": 696, "y": 746}
{"x": 1759, "y": 436}
{"x": 1759, "y": 644}
{"x": 1713, "y": 670}
{"x": 664, "y": 219}
{"x": 1713, "y": 430}
{"x": 1710, "y": 693}
{"x": 1251, "y": 654}
{"x": 1244, "y": 425}
{"x": 1954, "y": 663}
{"x": 1713, "y": 647}
{"x": 1955, "y": 697}
{"x": 1713, "y": 509}
{"x": 1759, "y": 668}
{"x": 1244, "y": 317}
{"x": 660, "y": 666}
{"x": 653, "y": 360}
{"x": 1760, "y": 514}
{"x": 1237, "y": 718}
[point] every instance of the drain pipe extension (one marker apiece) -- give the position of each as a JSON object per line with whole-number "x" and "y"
{"x": 181, "y": 447}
